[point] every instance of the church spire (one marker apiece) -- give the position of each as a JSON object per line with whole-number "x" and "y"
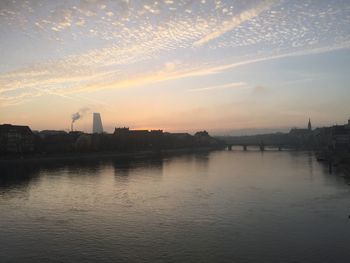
{"x": 309, "y": 127}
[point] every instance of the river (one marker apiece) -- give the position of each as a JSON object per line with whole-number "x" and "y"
{"x": 221, "y": 206}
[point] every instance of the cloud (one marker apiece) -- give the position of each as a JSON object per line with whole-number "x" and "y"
{"x": 17, "y": 99}
{"x": 133, "y": 49}
{"x": 303, "y": 52}
{"x": 64, "y": 22}
{"x": 235, "y": 21}
{"x": 77, "y": 81}
{"x": 219, "y": 87}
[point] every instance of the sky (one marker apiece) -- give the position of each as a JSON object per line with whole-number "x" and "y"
{"x": 178, "y": 65}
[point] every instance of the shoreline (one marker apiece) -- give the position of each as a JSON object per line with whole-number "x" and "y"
{"x": 45, "y": 158}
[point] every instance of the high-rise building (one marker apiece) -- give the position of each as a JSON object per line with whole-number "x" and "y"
{"x": 97, "y": 123}
{"x": 309, "y": 127}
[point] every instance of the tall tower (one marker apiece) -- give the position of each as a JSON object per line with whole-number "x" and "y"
{"x": 97, "y": 123}
{"x": 309, "y": 127}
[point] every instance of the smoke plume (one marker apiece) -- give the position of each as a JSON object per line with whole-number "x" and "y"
{"x": 78, "y": 115}
{"x": 75, "y": 116}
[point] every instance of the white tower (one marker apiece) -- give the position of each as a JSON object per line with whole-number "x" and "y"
{"x": 97, "y": 123}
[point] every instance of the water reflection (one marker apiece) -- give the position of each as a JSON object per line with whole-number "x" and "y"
{"x": 21, "y": 174}
{"x": 219, "y": 206}
{"x": 125, "y": 167}
{"x": 17, "y": 179}
{"x": 16, "y": 174}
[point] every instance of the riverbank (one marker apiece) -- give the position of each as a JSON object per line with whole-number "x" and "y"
{"x": 71, "y": 157}
{"x": 338, "y": 160}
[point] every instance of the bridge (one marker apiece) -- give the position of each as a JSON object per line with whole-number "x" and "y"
{"x": 261, "y": 146}
{"x": 262, "y": 142}
{"x": 277, "y": 141}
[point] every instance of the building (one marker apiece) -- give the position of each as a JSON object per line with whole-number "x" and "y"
{"x": 97, "y": 123}
{"x": 341, "y": 136}
{"x": 16, "y": 139}
{"x": 302, "y": 133}
{"x": 136, "y": 133}
{"x": 49, "y": 133}
{"x": 303, "y": 138}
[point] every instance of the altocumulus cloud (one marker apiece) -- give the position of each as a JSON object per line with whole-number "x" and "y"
{"x": 127, "y": 43}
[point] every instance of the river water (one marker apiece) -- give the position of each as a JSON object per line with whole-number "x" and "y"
{"x": 222, "y": 206}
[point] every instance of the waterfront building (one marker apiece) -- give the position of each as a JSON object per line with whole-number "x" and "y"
{"x": 341, "y": 137}
{"x": 16, "y": 139}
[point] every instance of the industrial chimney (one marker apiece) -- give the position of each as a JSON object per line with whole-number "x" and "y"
{"x": 97, "y": 123}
